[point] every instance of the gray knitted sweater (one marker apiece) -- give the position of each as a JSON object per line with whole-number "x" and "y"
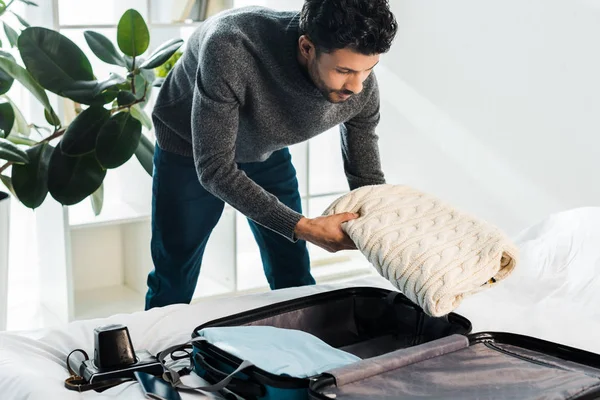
{"x": 238, "y": 94}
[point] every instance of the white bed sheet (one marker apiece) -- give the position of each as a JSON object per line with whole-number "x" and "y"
{"x": 554, "y": 294}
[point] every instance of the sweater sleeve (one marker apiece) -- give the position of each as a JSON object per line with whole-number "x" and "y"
{"x": 215, "y": 114}
{"x": 359, "y": 141}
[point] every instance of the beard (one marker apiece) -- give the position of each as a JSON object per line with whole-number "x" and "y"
{"x": 331, "y": 95}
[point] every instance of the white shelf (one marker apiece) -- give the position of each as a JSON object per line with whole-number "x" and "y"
{"x": 120, "y": 299}
{"x": 251, "y": 277}
{"x": 82, "y": 215}
{"x": 106, "y": 301}
{"x": 209, "y": 288}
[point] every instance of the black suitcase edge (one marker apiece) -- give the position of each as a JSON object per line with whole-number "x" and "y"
{"x": 293, "y": 304}
{"x": 552, "y": 349}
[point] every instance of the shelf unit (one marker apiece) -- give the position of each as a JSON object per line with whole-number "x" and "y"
{"x": 95, "y": 266}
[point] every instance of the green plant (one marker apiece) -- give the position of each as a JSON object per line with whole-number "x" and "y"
{"x": 163, "y": 70}
{"x": 70, "y": 162}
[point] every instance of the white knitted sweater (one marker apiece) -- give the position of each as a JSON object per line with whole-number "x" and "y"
{"x": 434, "y": 254}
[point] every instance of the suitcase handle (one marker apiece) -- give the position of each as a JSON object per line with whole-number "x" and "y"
{"x": 239, "y": 386}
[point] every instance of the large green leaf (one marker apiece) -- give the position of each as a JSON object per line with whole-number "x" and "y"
{"x": 53, "y": 59}
{"x": 80, "y": 95}
{"x": 80, "y": 137}
{"x": 6, "y": 80}
{"x": 7, "y": 118}
{"x": 103, "y": 48}
{"x": 21, "y": 126}
{"x": 143, "y": 85}
{"x": 21, "y": 20}
{"x": 11, "y": 34}
{"x": 10, "y": 152}
{"x": 7, "y": 181}
{"x": 51, "y": 118}
{"x": 22, "y": 75}
{"x": 113, "y": 80}
{"x": 118, "y": 139}
{"x": 30, "y": 181}
{"x": 125, "y": 98}
{"x": 94, "y": 92}
{"x": 72, "y": 179}
{"x": 162, "y": 53}
{"x": 129, "y": 61}
{"x": 97, "y": 200}
{"x": 18, "y": 139}
{"x": 125, "y": 85}
{"x": 148, "y": 75}
{"x": 2, "y": 6}
{"x": 138, "y": 113}
{"x": 133, "y": 37}
{"x": 145, "y": 154}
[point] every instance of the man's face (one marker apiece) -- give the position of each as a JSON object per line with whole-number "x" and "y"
{"x": 339, "y": 74}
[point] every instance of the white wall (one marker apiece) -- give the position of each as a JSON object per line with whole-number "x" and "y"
{"x": 493, "y": 105}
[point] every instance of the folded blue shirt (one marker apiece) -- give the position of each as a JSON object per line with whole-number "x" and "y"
{"x": 279, "y": 351}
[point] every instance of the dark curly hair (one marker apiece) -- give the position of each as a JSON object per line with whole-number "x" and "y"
{"x": 366, "y": 26}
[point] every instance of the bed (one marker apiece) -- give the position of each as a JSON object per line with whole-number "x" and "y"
{"x": 553, "y": 294}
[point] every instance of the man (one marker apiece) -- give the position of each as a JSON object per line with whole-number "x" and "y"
{"x": 252, "y": 82}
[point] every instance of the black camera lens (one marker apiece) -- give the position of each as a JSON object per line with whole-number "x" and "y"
{"x": 113, "y": 347}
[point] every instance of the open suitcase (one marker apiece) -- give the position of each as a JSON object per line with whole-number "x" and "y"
{"x": 405, "y": 354}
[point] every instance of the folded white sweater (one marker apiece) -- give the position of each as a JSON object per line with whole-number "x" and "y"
{"x": 434, "y": 254}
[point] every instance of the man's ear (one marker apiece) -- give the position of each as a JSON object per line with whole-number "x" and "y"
{"x": 306, "y": 47}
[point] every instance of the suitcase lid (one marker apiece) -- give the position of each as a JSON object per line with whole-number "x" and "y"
{"x": 454, "y": 322}
{"x": 483, "y": 365}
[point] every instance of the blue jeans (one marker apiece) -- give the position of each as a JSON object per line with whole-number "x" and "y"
{"x": 184, "y": 215}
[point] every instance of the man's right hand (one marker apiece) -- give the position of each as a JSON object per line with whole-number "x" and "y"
{"x": 326, "y": 231}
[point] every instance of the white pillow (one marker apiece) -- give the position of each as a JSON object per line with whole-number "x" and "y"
{"x": 560, "y": 257}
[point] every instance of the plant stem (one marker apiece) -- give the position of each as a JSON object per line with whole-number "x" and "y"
{"x": 39, "y": 129}
{"x": 2, "y": 168}
{"x": 133, "y": 76}
{"x": 141, "y": 99}
{"x": 55, "y": 135}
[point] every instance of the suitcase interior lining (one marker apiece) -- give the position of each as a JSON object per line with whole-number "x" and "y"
{"x": 397, "y": 359}
{"x": 375, "y": 347}
{"x": 483, "y": 370}
{"x": 366, "y": 326}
